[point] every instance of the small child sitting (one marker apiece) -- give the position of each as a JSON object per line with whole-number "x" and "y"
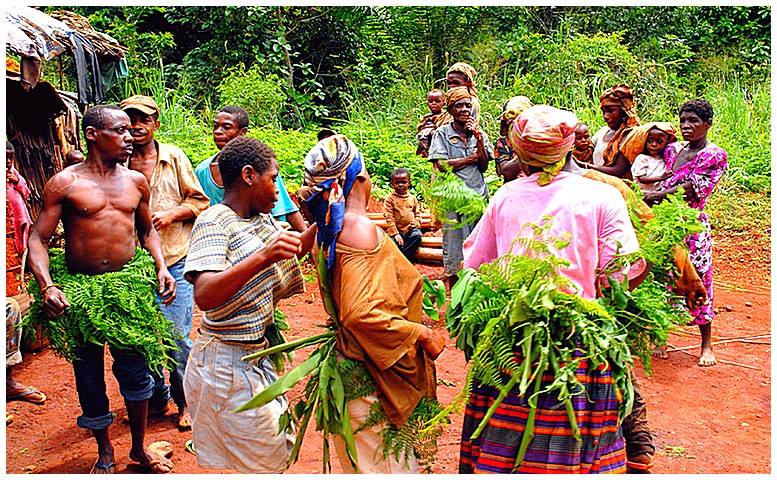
{"x": 403, "y": 214}
{"x": 648, "y": 168}
{"x": 583, "y": 150}
{"x": 435, "y": 99}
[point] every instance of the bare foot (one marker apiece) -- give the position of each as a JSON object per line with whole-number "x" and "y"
{"x": 184, "y": 418}
{"x": 660, "y": 352}
{"x": 707, "y": 358}
{"x": 151, "y": 460}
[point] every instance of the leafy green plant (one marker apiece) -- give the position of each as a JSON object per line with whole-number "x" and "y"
{"x": 117, "y": 308}
{"x": 449, "y": 194}
{"x": 261, "y": 94}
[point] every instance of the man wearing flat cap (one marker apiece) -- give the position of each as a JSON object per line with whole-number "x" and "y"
{"x": 176, "y": 200}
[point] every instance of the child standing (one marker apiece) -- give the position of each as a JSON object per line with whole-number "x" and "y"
{"x": 583, "y": 150}
{"x": 646, "y": 145}
{"x": 435, "y": 99}
{"x": 403, "y": 214}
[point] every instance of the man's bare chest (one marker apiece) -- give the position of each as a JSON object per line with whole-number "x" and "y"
{"x": 89, "y": 198}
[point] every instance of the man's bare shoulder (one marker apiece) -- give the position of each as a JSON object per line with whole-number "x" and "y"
{"x": 62, "y": 182}
{"x": 137, "y": 178}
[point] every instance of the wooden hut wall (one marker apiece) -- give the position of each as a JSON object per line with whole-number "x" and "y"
{"x": 30, "y": 126}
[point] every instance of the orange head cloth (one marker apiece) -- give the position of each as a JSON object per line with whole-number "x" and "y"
{"x": 541, "y": 137}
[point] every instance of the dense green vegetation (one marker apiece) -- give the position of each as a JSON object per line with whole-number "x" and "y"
{"x": 365, "y": 71}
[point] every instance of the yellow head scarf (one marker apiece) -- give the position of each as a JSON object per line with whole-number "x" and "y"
{"x": 454, "y": 95}
{"x": 511, "y": 109}
{"x": 541, "y": 137}
{"x": 467, "y": 70}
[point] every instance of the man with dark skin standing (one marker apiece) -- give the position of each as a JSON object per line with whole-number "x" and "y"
{"x": 176, "y": 200}
{"x": 231, "y": 122}
{"x": 102, "y": 204}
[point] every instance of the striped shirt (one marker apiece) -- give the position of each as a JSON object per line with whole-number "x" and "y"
{"x": 220, "y": 240}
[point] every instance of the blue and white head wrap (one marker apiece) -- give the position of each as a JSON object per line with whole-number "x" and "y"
{"x": 331, "y": 168}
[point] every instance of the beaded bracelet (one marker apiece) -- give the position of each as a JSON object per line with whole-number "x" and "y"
{"x": 43, "y": 290}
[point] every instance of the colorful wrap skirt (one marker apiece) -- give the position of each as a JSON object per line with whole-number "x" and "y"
{"x": 553, "y": 449}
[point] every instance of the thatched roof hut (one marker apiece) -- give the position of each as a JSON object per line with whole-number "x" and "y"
{"x": 42, "y": 122}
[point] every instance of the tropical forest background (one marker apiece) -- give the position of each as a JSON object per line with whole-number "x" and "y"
{"x": 365, "y": 71}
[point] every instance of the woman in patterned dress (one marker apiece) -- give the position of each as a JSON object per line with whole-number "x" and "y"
{"x": 697, "y": 165}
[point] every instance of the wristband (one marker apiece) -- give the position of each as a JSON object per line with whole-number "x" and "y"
{"x": 43, "y": 290}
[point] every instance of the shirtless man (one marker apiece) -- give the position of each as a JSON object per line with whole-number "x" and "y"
{"x": 101, "y": 204}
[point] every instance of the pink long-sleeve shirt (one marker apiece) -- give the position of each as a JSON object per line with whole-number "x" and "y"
{"x": 593, "y": 213}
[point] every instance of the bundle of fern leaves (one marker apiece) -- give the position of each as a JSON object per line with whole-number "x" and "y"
{"x": 333, "y": 381}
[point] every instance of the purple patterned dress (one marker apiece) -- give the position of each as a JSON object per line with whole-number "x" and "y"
{"x": 704, "y": 172}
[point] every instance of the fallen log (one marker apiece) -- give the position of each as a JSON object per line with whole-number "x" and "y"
{"x": 425, "y": 223}
{"x": 433, "y": 242}
{"x": 430, "y": 255}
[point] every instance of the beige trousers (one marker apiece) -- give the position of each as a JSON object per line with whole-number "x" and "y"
{"x": 368, "y": 450}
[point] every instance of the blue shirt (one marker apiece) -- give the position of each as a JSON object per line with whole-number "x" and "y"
{"x": 283, "y": 206}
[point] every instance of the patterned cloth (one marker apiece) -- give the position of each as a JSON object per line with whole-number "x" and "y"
{"x": 220, "y": 240}
{"x": 704, "y": 172}
{"x": 621, "y": 96}
{"x": 44, "y": 30}
{"x": 541, "y": 137}
{"x": 553, "y": 450}
{"x": 331, "y": 168}
{"x": 426, "y": 126}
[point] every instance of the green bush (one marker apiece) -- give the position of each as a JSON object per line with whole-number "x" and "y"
{"x": 262, "y": 95}
{"x": 290, "y": 148}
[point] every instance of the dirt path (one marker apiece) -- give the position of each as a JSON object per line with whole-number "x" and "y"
{"x": 705, "y": 420}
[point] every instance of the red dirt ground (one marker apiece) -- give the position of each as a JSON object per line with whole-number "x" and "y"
{"x": 705, "y": 420}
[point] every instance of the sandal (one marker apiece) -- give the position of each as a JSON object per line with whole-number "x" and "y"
{"x": 32, "y": 395}
{"x": 189, "y": 446}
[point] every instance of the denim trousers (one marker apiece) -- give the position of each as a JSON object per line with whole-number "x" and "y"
{"x": 180, "y": 313}
{"x": 130, "y": 370}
